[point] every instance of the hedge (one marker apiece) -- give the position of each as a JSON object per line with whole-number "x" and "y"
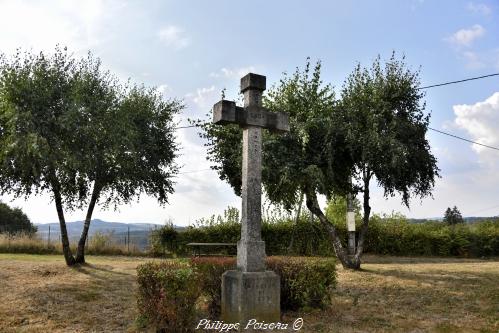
{"x": 167, "y": 295}
{"x": 388, "y": 235}
{"x": 169, "y": 291}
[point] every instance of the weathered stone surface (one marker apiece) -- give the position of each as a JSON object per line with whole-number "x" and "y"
{"x": 251, "y": 190}
{"x": 251, "y": 292}
{"x": 227, "y": 112}
{"x": 251, "y": 255}
{"x": 248, "y": 295}
{"x": 224, "y": 112}
{"x": 253, "y": 81}
{"x": 258, "y": 116}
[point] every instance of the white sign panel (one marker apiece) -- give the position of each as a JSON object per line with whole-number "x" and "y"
{"x": 351, "y": 221}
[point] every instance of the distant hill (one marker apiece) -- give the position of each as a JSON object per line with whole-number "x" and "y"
{"x": 97, "y": 225}
{"x": 139, "y": 232}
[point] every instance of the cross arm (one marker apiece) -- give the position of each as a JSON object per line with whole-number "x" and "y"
{"x": 226, "y": 112}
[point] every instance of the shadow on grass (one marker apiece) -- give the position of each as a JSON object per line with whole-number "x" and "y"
{"x": 381, "y": 260}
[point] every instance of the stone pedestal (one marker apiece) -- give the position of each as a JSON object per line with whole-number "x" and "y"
{"x": 250, "y": 295}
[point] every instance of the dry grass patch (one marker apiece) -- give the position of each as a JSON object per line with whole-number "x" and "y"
{"x": 391, "y": 294}
{"x": 41, "y": 294}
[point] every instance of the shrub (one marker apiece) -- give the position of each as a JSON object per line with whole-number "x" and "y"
{"x": 167, "y": 295}
{"x": 164, "y": 239}
{"x": 305, "y": 282}
{"x": 211, "y": 270}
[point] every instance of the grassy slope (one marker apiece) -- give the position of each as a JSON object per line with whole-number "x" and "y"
{"x": 40, "y": 294}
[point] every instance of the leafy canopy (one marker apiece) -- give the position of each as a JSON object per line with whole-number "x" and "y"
{"x": 382, "y": 111}
{"x": 13, "y": 220}
{"x": 67, "y": 126}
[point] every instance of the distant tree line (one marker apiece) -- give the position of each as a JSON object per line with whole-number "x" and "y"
{"x": 14, "y": 221}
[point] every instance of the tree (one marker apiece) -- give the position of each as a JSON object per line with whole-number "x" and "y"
{"x": 71, "y": 129}
{"x": 453, "y": 216}
{"x": 13, "y": 221}
{"x": 376, "y": 131}
{"x": 383, "y": 112}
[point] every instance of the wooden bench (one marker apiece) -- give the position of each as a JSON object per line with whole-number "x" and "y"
{"x": 198, "y": 246}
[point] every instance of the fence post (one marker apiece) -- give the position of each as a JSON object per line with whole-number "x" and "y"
{"x": 128, "y": 240}
{"x": 48, "y": 241}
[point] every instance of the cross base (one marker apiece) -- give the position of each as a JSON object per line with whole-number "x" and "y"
{"x": 251, "y": 256}
{"x": 250, "y": 295}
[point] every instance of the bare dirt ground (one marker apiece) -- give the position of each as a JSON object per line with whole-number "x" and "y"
{"x": 38, "y": 293}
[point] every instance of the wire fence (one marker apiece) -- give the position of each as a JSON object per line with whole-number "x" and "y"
{"x": 128, "y": 240}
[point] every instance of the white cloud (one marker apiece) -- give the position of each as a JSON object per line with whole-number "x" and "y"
{"x": 473, "y": 60}
{"x": 479, "y": 8}
{"x": 164, "y": 90}
{"x": 41, "y": 25}
{"x": 481, "y": 121}
{"x": 204, "y": 98}
{"x": 234, "y": 73}
{"x": 174, "y": 36}
{"x": 466, "y": 37}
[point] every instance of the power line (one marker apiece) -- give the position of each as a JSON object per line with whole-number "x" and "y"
{"x": 460, "y": 138}
{"x": 459, "y": 81}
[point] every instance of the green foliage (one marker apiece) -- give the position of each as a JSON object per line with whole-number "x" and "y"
{"x": 211, "y": 270}
{"x": 382, "y": 109}
{"x": 389, "y": 234}
{"x": 14, "y": 221}
{"x": 66, "y": 123}
{"x": 164, "y": 239}
{"x": 336, "y": 210}
{"x": 305, "y": 282}
{"x": 167, "y": 295}
{"x": 394, "y": 235}
{"x": 69, "y": 128}
{"x": 453, "y": 216}
{"x": 309, "y": 237}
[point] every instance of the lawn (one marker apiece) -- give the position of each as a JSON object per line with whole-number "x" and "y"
{"x": 392, "y": 294}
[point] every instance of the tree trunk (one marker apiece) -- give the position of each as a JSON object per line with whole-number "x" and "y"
{"x": 80, "y": 252}
{"x": 313, "y": 206}
{"x": 365, "y": 220}
{"x": 68, "y": 256}
{"x": 298, "y": 212}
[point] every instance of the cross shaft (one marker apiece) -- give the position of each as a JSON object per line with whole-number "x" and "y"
{"x": 252, "y": 118}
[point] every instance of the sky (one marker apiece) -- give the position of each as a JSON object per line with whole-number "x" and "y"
{"x": 191, "y": 50}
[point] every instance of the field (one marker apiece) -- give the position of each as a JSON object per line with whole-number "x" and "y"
{"x": 392, "y": 294}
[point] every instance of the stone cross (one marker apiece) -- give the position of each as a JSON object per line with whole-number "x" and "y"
{"x": 251, "y": 292}
{"x": 252, "y": 118}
